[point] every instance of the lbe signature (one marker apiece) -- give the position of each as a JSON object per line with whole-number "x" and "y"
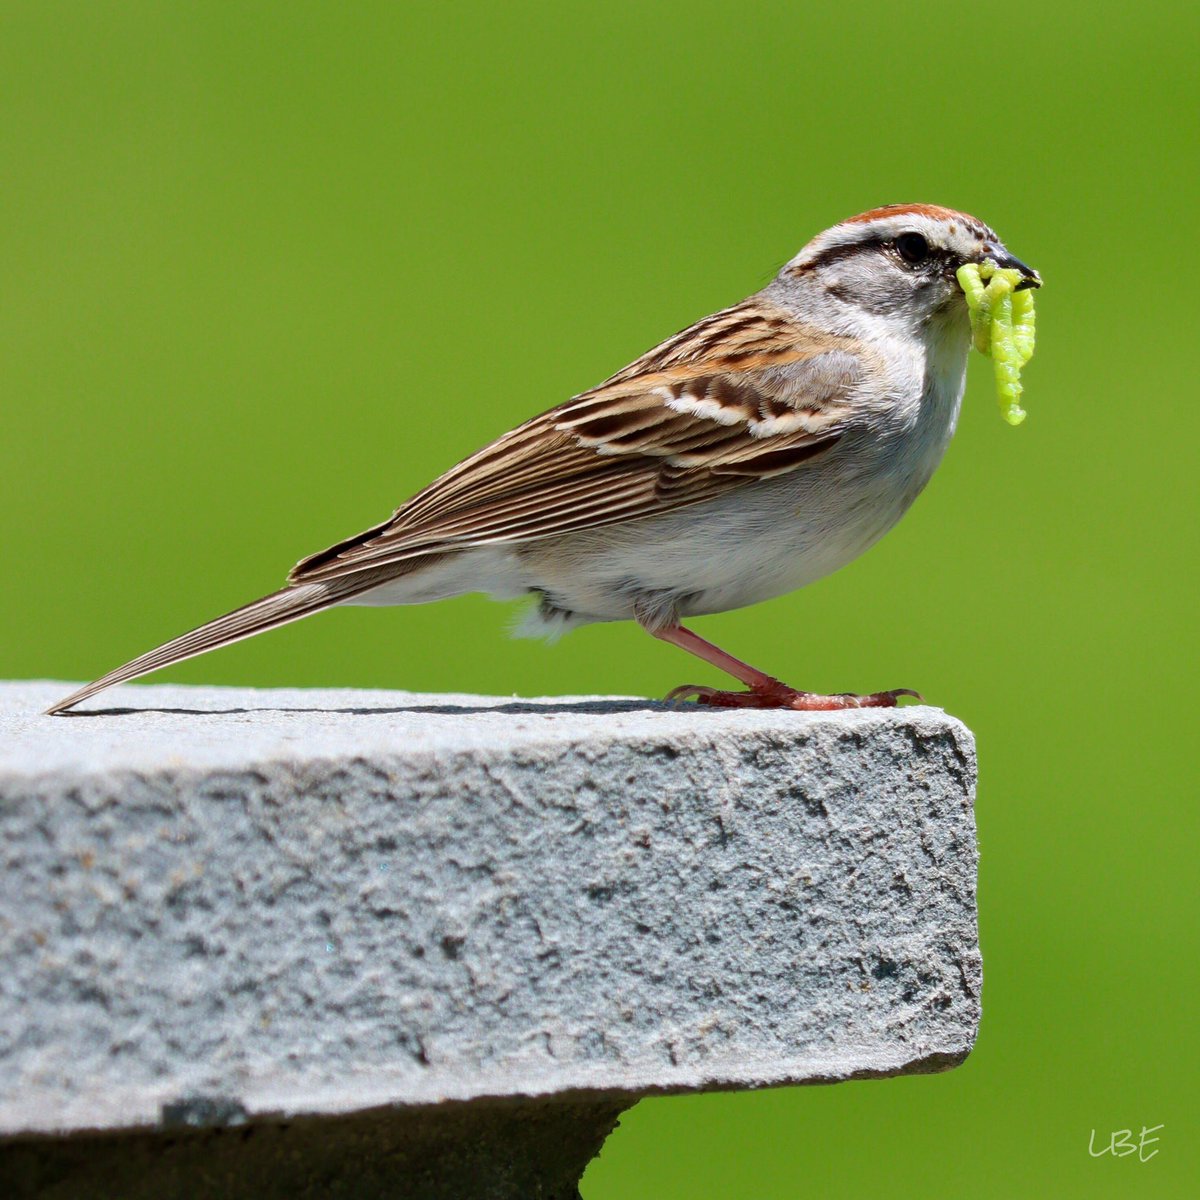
{"x": 1122, "y": 1142}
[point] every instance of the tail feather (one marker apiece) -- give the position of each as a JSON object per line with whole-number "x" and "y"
{"x": 279, "y": 608}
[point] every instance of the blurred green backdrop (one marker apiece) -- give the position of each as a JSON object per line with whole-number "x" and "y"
{"x": 268, "y": 268}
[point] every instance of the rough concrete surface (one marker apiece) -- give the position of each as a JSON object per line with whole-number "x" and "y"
{"x": 222, "y": 905}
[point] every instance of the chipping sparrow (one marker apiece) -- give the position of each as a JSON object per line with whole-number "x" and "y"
{"x": 756, "y": 451}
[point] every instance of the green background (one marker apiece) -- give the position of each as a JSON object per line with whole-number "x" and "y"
{"x": 268, "y": 268}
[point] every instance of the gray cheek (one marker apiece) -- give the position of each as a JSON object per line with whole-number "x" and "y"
{"x": 870, "y": 291}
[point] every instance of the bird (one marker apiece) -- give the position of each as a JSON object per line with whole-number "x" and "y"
{"x": 760, "y": 449}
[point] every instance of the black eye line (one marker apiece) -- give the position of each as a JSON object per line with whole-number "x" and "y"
{"x": 884, "y": 245}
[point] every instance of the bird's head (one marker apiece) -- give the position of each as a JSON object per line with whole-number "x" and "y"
{"x": 895, "y": 265}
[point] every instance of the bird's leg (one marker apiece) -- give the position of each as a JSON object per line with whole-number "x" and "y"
{"x": 765, "y": 691}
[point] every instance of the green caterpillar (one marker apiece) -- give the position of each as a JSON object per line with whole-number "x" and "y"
{"x": 1002, "y": 321}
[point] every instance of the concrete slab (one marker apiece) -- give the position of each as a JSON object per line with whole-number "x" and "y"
{"x": 225, "y": 905}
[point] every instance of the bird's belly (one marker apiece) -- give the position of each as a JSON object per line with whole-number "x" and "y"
{"x": 799, "y": 541}
{"x": 762, "y": 541}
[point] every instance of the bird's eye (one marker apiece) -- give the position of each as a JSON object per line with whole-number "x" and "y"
{"x": 912, "y": 247}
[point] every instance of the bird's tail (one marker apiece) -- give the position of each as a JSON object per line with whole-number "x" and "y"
{"x": 279, "y": 608}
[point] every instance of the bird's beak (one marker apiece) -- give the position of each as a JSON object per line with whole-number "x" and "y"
{"x": 1029, "y": 277}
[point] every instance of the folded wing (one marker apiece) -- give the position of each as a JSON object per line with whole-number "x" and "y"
{"x": 745, "y": 395}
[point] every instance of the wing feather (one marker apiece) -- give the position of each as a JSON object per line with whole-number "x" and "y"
{"x": 744, "y": 395}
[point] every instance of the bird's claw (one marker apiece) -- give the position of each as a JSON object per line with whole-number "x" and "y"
{"x": 774, "y": 694}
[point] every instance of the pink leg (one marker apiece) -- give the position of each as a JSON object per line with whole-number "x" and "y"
{"x": 765, "y": 691}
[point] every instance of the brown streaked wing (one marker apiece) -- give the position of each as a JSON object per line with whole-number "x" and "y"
{"x": 743, "y": 395}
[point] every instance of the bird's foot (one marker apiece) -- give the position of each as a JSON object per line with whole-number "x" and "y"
{"x": 773, "y": 694}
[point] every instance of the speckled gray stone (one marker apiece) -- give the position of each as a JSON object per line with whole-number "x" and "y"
{"x": 222, "y": 905}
